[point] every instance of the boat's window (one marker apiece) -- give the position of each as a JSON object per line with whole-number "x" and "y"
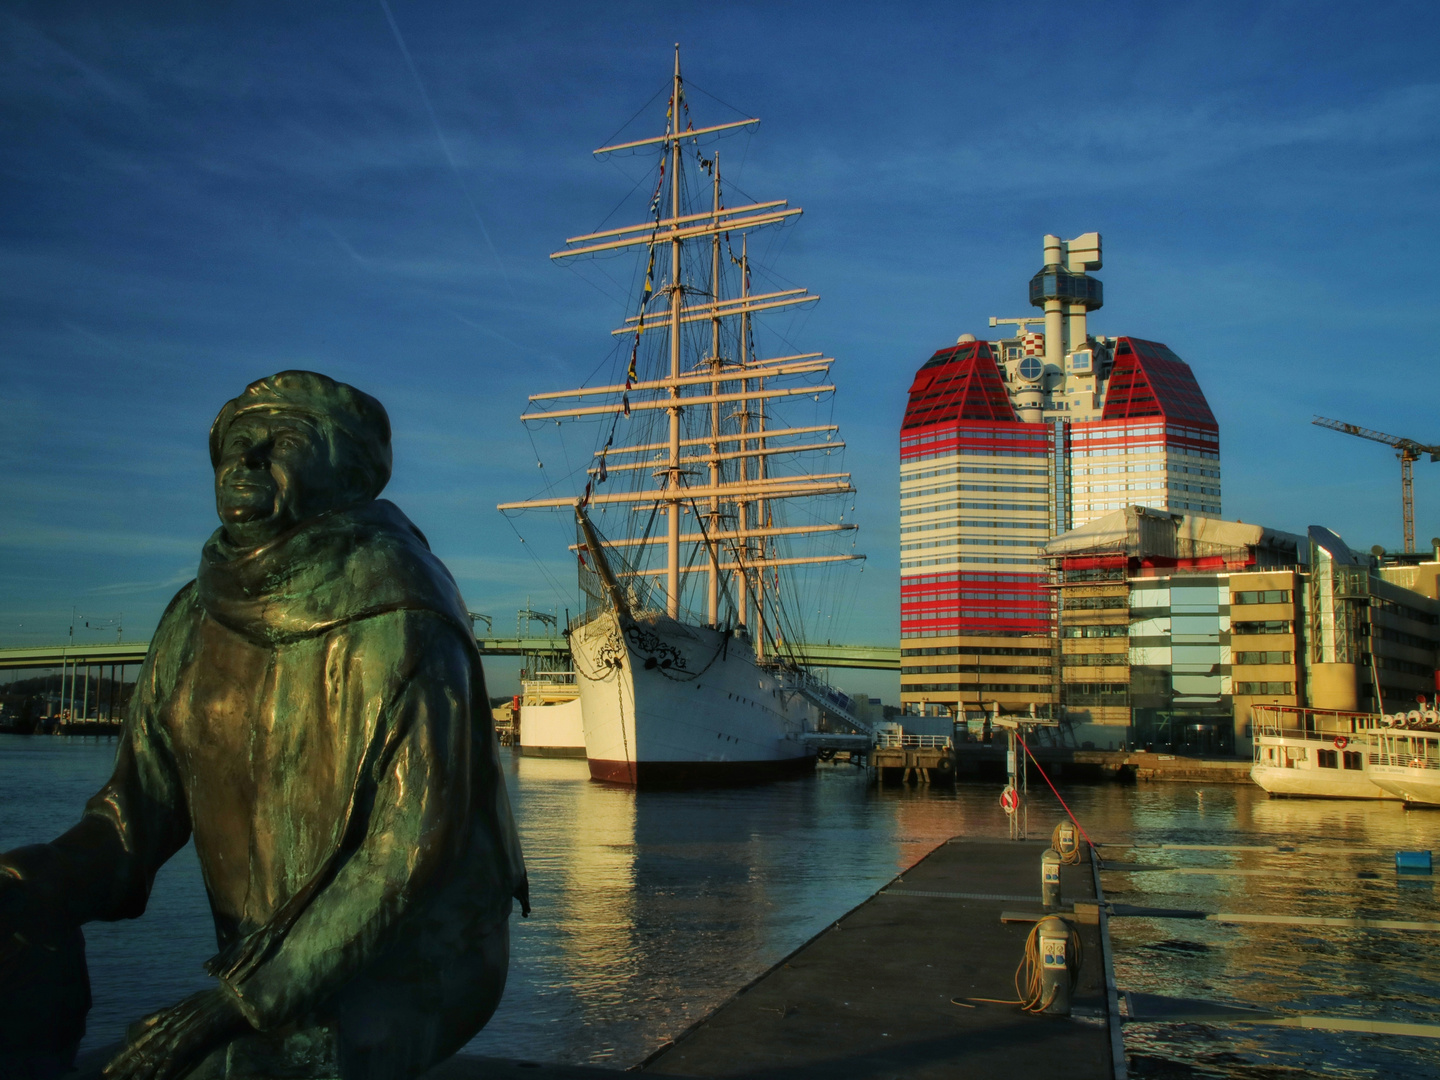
{"x": 1327, "y": 759}
{"x": 1354, "y": 759}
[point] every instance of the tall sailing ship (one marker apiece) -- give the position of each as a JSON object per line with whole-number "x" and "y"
{"x": 688, "y": 655}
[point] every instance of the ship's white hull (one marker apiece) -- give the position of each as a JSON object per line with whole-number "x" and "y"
{"x": 667, "y": 703}
{"x": 1318, "y": 783}
{"x": 1418, "y": 786}
{"x": 1409, "y": 761}
{"x": 1292, "y": 766}
{"x": 553, "y": 730}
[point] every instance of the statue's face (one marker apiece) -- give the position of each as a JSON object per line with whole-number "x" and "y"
{"x": 274, "y": 472}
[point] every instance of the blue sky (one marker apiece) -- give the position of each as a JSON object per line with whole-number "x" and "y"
{"x": 194, "y": 196}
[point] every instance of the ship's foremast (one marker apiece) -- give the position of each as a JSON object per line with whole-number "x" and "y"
{"x": 749, "y": 541}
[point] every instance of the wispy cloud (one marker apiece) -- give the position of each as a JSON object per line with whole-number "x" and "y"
{"x": 40, "y": 538}
{"x": 126, "y": 588}
{"x": 440, "y": 137}
{"x": 39, "y": 64}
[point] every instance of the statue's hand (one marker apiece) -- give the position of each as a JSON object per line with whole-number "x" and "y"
{"x": 13, "y": 894}
{"x": 14, "y": 909}
{"x": 174, "y": 1040}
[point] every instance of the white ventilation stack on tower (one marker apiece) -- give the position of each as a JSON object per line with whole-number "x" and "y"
{"x": 1062, "y": 289}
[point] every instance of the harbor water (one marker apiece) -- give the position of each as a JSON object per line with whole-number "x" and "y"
{"x": 651, "y": 909}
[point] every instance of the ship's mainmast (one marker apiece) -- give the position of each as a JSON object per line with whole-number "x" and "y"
{"x": 672, "y": 479}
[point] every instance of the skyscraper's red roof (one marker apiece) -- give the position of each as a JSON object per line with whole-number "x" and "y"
{"x": 959, "y": 383}
{"x": 1150, "y": 380}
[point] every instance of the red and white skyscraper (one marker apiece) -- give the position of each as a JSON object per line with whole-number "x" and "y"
{"x": 1008, "y": 443}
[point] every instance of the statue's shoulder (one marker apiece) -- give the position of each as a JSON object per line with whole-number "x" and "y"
{"x": 184, "y": 603}
{"x": 180, "y": 617}
{"x": 404, "y": 573}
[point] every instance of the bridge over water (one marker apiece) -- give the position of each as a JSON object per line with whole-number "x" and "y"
{"x": 872, "y": 657}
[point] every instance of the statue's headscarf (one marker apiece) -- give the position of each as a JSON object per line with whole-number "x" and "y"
{"x": 354, "y": 424}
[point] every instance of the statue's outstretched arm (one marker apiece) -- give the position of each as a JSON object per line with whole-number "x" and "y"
{"x": 103, "y": 867}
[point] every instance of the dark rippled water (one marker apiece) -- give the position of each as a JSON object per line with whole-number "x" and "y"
{"x": 650, "y": 910}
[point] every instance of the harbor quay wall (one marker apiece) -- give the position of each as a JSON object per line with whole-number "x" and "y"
{"x": 1062, "y": 764}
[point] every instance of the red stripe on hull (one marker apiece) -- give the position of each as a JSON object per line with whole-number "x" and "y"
{"x": 687, "y": 774}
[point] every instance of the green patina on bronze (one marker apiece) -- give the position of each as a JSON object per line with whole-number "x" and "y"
{"x": 313, "y": 711}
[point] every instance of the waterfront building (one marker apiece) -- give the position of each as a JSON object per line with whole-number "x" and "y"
{"x": 1008, "y": 443}
{"x": 1174, "y": 626}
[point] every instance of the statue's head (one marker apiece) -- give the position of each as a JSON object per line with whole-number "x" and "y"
{"x": 294, "y": 446}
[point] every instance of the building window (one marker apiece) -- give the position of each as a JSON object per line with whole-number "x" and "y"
{"x": 1263, "y": 596}
{"x": 1281, "y": 688}
{"x": 1096, "y": 659}
{"x": 1269, "y": 626}
{"x": 1096, "y": 631}
{"x": 1264, "y": 657}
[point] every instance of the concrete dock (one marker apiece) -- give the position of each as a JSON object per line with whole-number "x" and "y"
{"x": 872, "y": 995}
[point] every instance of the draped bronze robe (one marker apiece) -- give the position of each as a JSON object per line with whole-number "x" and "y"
{"x": 315, "y": 712}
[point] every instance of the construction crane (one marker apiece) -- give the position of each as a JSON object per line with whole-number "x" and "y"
{"x": 1409, "y": 453}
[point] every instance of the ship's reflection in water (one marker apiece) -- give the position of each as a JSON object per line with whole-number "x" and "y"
{"x": 653, "y": 908}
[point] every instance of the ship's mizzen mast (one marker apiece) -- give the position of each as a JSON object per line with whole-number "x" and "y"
{"x": 728, "y": 471}
{"x": 712, "y": 593}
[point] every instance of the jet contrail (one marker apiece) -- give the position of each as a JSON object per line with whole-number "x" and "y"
{"x": 440, "y": 137}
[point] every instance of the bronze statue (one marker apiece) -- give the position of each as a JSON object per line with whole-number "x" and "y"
{"x": 313, "y": 710}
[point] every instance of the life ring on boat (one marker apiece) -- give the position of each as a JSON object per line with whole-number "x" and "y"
{"x": 1341, "y": 742}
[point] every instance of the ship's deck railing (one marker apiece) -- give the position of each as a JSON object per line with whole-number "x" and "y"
{"x": 1281, "y": 720}
{"x": 1404, "y": 761}
{"x": 1409, "y": 749}
{"x": 1307, "y": 735}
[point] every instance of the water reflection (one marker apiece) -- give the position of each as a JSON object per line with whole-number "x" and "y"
{"x": 652, "y": 909}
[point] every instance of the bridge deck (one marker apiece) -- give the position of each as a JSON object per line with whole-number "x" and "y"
{"x": 873, "y": 657}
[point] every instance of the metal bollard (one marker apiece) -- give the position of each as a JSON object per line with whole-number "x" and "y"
{"x": 1055, "y": 960}
{"x": 1050, "y": 879}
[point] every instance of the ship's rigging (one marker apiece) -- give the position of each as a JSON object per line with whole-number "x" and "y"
{"x": 691, "y": 430}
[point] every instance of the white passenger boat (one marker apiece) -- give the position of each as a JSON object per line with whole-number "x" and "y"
{"x": 1316, "y": 753}
{"x": 712, "y": 459}
{"x": 550, "y": 719}
{"x": 1407, "y": 763}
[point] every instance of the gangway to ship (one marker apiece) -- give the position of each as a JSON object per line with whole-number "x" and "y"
{"x": 833, "y": 703}
{"x": 835, "y": 706}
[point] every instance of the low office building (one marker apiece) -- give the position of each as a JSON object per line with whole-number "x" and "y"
{"x": 1173, "y": 626}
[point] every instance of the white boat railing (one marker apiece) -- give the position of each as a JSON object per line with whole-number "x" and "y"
{"x": 1404, "y": 761}
{"x": 893, "y": 741}
{"x": 1408, "y": 749}
{"x": 1293, "y": 721}
{"x": 1302, "y": 735}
